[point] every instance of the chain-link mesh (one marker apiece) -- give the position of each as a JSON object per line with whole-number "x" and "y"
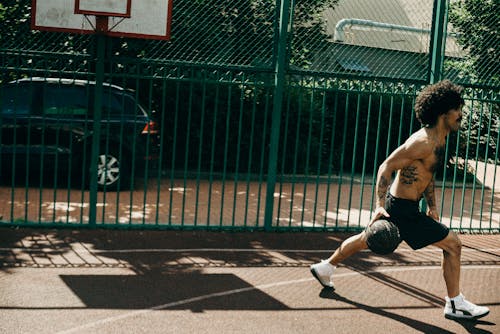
{"x": 219, "y": 32}
{"x": 476, "y": 58}
{"x": 365, "y": 38}
{"x": 17, "y": 35}
{"x": 388, "y": 38}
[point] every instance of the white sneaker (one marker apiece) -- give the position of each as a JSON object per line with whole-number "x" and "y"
{"x": 323, "y": 272}
{"x": 459, "y": 308}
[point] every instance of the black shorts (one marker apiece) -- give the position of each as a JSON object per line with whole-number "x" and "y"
{"x": 415, "y": 227}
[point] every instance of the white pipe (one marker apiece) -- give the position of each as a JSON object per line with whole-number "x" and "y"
{"x": 339, "y": 27}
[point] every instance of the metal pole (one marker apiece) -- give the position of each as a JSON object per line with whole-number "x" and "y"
{"x": 437, "y": 48}
{"x": 279, "y": 82}
{"x": 438, "y": 40}
{"x": 101, "y": 44}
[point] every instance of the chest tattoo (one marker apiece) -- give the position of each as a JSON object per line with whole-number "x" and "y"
{"x": 409, "y": 175}
{"x": 439, "y": 153}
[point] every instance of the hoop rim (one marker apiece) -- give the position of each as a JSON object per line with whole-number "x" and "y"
{"x": 103, "y": 12}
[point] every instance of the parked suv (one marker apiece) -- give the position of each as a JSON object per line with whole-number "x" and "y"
{"x": 48, "y": 124}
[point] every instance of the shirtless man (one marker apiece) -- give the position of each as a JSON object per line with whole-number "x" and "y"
{"x": 439, "y": 108}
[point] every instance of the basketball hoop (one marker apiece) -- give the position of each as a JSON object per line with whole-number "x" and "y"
{"x": 115, "y": 8}
{"x": 119, "y": 18}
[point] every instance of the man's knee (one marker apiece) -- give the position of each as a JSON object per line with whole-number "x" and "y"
{"x": 451, "y": 244}
{"x": 356, "y": 242}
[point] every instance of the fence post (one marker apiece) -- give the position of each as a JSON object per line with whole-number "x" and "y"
{"x": 438, "y": 40}
{"x": 437, "y": 49}
{"x": 279, "y": 82}
{"x": 101, "y": 45}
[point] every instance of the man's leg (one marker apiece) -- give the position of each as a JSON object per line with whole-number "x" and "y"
{"x": 452, "y": 248}
{"x": 323, "y": 271}
{"x": 349, "y": 246}
{"x": 456, "y": 307}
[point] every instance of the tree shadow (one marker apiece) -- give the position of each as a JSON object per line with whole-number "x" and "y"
{"x": 144, "y": 250}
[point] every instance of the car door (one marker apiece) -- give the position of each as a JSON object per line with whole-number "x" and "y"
{"x": 66, "y": 123}
{"x": 19, "y": 136}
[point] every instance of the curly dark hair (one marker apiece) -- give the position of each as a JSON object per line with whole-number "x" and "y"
{"x": 437, "y": 99}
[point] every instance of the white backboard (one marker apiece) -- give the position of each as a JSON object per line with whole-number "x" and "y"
{"x": 59, "y": 15}
{"x": 125, "y": 18}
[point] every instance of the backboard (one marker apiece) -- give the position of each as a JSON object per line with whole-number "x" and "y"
{"x": 125, "y": 18}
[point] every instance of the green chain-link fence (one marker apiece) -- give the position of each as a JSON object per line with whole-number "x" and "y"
{"x": 262, "y": 114}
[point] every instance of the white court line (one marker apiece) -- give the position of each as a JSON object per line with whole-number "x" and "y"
{"x": 225, "y": 250}
{"x": 257, "y": 287}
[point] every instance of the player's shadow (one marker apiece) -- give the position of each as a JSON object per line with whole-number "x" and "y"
{"x": 420, "y": 326}
{"x": 470, "y": 326}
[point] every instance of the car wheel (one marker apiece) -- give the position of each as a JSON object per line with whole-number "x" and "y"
{"x": 111, "y": 171}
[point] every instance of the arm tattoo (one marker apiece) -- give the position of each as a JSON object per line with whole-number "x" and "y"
{"x": 409, "y": 175}
{"x": 382, "y": 186}
{"x": 429, "y": 194}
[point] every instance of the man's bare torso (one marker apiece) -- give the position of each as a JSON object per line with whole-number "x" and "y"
{"x": 413, "y": 179}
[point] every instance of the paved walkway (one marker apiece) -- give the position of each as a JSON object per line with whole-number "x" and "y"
{"x": 109, "y": 281}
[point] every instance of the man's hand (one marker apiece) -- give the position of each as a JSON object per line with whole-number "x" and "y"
{"x": 433, "y": 214}
{"x": 378, "y": 213}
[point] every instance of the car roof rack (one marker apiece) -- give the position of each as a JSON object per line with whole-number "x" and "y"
{"x": 67, "y": 81}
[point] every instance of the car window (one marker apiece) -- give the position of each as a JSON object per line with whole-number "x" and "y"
{"x": 16, "y": 99}
{"x": 65, "y": 100}
{"x": 112, "y": 104}
{"x": 129, "y": 104}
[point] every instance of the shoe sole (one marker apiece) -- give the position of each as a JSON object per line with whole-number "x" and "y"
{"x": 313, "y": 272}
{"x": 452, "y": 317}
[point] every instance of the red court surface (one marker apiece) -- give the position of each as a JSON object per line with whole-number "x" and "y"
{"x": 108, "y": 281}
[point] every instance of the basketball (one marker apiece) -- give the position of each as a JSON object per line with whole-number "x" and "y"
{"x": 382, "y": 237}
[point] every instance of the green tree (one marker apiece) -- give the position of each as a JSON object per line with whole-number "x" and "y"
{"x": 14, "y": 17}
{"x": 477, "y": 23}
{"x": 309, "y": 30}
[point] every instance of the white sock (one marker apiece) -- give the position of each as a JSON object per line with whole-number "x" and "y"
{"x": 458, "y": 298}
{"x": 329, "y": 264}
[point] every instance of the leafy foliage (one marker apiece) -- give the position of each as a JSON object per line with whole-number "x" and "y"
{"x": 308, "y": 30}
{"x": 477, "y": 22}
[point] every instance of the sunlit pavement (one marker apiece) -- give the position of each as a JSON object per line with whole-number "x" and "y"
{"x": 108, "y": 281}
